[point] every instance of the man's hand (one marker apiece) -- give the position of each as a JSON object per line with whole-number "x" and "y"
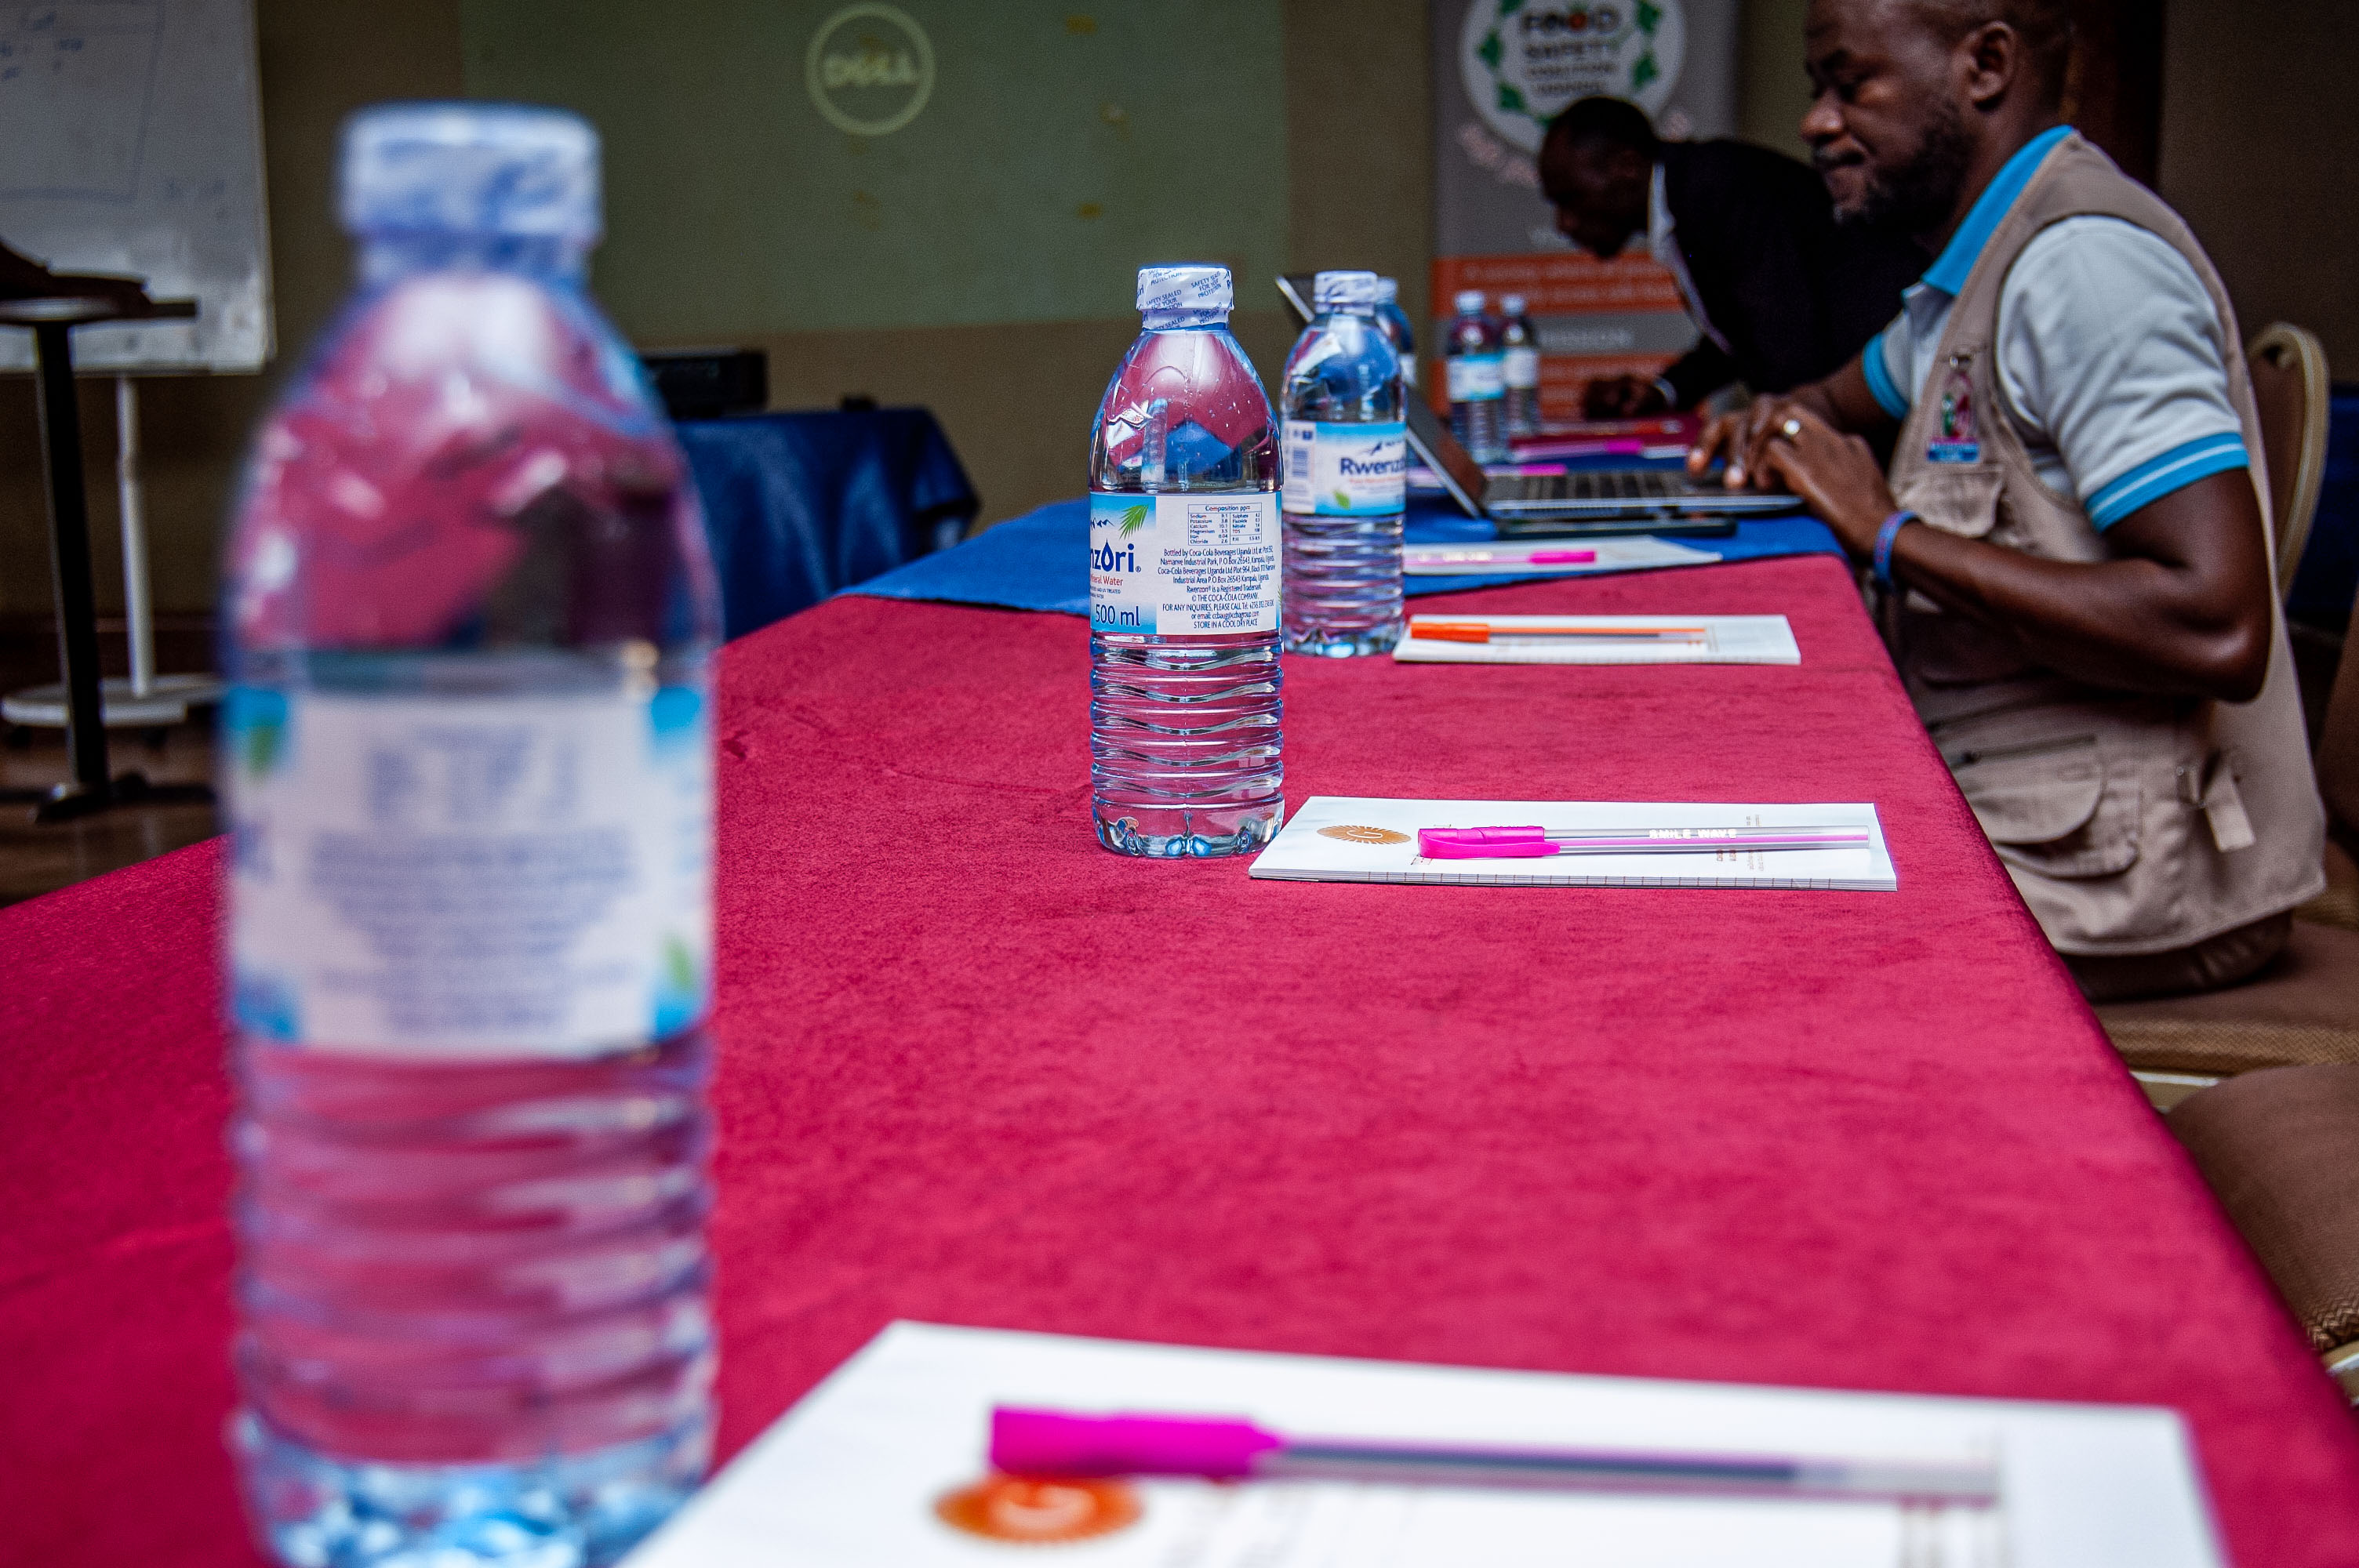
{"x": 1841, "y": 402}
{"x": 1837, "y": 475}
{"x": 1622, "y": 397}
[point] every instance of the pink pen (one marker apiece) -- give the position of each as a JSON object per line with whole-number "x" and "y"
{"x": 1044, "y": 1445}
{"x": 1561, "y": 557}
{"x": 1522, "y": 843}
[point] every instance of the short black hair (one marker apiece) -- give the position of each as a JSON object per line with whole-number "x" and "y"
{"x": 2044, "y": 25}
{"x": 1613, "y": 121}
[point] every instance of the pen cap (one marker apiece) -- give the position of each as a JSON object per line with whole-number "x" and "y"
{"x": 1050, "y": 1443}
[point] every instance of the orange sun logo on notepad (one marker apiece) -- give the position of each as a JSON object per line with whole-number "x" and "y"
{"x": 1365, "y": 835}
{"x": 1038, "y": 1513}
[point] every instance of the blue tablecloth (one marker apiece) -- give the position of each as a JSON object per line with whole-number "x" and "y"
{"x": 1039, "y": 561}
{"x": 799, "y": 505}
{"x": 2328, "y": 575}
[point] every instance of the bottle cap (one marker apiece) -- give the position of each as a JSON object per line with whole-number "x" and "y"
{"x": 1387, "y": 291}
{"x": 1470, "y": 302}
{"x": 1184, "y": 285}
{"x": 471, "y": 168}
{"x": 1513, "y": 303}
{"x": 1332, "y": 289}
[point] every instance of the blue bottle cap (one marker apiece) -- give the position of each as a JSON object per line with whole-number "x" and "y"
{"x": 471, "y": 168}
{"x": 1184, "y": 285}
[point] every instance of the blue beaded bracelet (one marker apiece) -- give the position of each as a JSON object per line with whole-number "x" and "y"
{"x": 1883, "y": 537}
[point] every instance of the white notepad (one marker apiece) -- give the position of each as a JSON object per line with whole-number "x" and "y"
{"x": 1718, "y": 640}
{"x": 1619, "y": 553}
{"x": 850, "y": 1477}
{"x": 1345, "y": 838}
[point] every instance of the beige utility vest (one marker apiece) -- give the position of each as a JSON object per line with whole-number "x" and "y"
{"x": 2131, "y": 823}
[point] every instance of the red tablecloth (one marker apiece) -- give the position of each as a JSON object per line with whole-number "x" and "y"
{"x": 976, "y": 1070}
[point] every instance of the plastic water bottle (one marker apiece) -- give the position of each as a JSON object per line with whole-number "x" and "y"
{"x": 466, "y": 762}
{"x": 1475, "y": 363}
{"x": 1346, "y": 452}
{"x": 1395, "y": 325}
{"x": 1184, "y": 746}
{"x": 1519, "y": 364}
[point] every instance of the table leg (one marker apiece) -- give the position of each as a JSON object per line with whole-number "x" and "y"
{"x": 70, "y": 573}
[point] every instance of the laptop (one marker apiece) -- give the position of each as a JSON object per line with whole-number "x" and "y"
{"x": 1566, "y": 505}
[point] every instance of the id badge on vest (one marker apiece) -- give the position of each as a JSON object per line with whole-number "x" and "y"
{"x": 1955, "y": 441}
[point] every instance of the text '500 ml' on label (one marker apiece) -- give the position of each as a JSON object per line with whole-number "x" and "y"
{"x": 1164, "y": 566}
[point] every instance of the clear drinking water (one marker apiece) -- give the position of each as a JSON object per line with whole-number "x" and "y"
{"x": 1347, "y": 451}
{"x": 1475, "y": 362}
{"x": 1184, "y": 745}
{"x": 466, "y": 762}
{"x": 1395, "y": 322}
{"x": 1519, "y": 363}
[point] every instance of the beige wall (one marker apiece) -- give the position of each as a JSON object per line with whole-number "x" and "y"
{"x": 1017, "y": 400}
{"x": 2260, "y": 151}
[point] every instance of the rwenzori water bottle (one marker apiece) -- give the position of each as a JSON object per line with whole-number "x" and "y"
{"x": 1395, "y": 322}
{"x": 466, "y": 763}
{"x": 1475, "y": 365}
{"x": 1184, "y": 585}
{"x": 1519, "y": 367}
{"x": 1346, "y": 453}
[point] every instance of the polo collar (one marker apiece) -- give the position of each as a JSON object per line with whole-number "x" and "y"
{"x": 1950, "y": 269}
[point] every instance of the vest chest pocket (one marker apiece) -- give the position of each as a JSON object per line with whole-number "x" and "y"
{"x": 1962, "y": 500}
{"x": 2054, "y": 807}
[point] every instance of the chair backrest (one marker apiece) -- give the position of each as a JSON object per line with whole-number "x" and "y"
{"x": 2289, "y": 385}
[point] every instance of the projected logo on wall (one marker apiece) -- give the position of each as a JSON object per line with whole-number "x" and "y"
{"x": 1522, "y": 61}
{"x": 870, "y": 70}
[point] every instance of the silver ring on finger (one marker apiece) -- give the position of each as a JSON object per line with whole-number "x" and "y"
{"x": 1791, "y": 429}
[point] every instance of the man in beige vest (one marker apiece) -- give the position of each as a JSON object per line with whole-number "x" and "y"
{"x": 2068, "y": 551}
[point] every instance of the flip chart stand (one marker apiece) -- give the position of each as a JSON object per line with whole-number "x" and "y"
{"x": 93, "y": 788}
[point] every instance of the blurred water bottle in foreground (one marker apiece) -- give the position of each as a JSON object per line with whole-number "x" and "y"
{"x": 1184, "y": 745}
{"x": 466, "y": 758}
{"x": 1346, "y": 452}
{"x": 1519, "y": 365}
{"x": 1475, "y": 363}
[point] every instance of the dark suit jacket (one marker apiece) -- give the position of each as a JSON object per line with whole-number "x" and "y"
{"x": 1794, "y": 295}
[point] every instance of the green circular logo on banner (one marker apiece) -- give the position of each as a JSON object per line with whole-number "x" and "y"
{"x": 870, "y": 70}
{"x": 1522, "y": 61}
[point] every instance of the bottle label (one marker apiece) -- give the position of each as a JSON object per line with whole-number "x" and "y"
{"x": 471, "y": 877}
{"x": 1475, "y": 378}
{"x": 1521, "y": 368}
{"x": 1171, "y": 565}
{"x": 1346, "y": 470}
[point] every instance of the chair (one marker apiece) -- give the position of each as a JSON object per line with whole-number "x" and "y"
{"x": 2304, "y": 1007}
{"x": 2290, "y": 388}
{"x": 2280, "y": 1151}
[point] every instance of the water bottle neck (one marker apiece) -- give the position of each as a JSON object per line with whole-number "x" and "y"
{"x": 386, "y": 256}
{"x": 1177, "y": 320}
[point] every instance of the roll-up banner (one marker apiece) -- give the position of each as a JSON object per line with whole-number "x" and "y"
{"x": 1502, "y": 69}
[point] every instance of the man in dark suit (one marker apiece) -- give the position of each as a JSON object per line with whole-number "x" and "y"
{"x": 1781, "y": 294}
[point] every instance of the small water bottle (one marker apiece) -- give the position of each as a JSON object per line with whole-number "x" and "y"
{"x": 1395, "y": 325}
{"x": 466, "y": 762}
{"x": 1184, "y": 555}
{"x": 1519, "y": 364}
{"x": 1475, "y": 363}
{"x": 1347, "y": 451}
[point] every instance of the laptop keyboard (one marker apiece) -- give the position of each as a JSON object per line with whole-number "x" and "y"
{"x": 1610, "y": 484}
